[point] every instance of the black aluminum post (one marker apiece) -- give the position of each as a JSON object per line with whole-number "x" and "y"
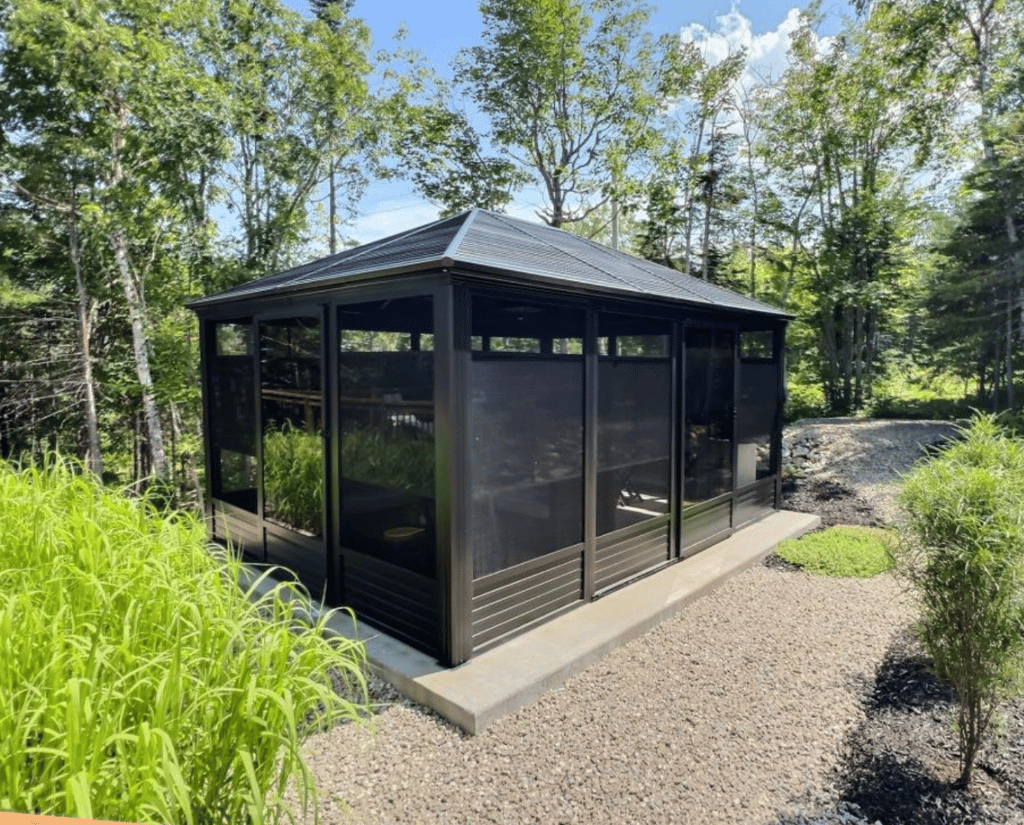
{"x": 257, "y": 373}
{"x": 676, "y": 413}
{"x": 206, "y": 328}
{"x": 332, "y": 444}
{"x": 454, "y": 558}
{"x": 590, "y": 389}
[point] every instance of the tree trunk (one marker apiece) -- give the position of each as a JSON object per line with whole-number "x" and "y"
{"x": 333, "y": 210}
{"x": 140, "y": 347}
{"x": 93, "y": 456}
{"x": 136, "y": 308}
{"x": 1011, "y": 401}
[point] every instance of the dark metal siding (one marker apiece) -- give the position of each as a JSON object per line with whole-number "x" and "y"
{"x": 509, "y": 602}
{"x": 391, "y": 598}
{"x": 705, "y": 524}
{"x": 633, "y": 550}
{"x": 237, "y": 527}
{"x": 755, "y": 502}
{"x": 301, "y": 554}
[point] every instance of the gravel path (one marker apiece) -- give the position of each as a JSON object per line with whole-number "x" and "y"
{"x": 734, "y": 711}
{"x": 739, "y": 709}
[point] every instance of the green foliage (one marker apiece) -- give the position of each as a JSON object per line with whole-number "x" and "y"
{"x": 569, "y": 88}
{"x": 859, "y": 552}
{"x": 963, "y": 552}
{"x": 404, "y": 462}
{"x": 804, "y": 401}
{"x": 293, "y": 477}
{"x": 139, "y": 682}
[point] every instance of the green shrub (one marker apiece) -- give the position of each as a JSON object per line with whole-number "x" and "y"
{"x": 964, "y": 555}
{"x": 804, "y": 401}
{"x": 840, "y": 551}
{"x": 138, "y": 682}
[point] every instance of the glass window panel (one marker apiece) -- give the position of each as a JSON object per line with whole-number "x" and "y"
{"x": 757, "y": 344}
{"x": 507, "y": 343}
{"x": 232, "y": 414}
{"x": 642, "y": 346}
{"x": 234, "y": 338}
{"x": 526, "y": 437}
{"x": 293, "y": 446}
{"x": 757, "y": 416}
{"x": 709, "y": 417}
{"x": 634, "y": 401}
{"x": 387, "y": 431}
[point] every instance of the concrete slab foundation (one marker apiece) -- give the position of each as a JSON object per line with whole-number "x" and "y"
{"x": 516, "y": 673}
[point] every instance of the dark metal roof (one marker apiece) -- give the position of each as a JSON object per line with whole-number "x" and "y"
{"x": 489, "y": 242}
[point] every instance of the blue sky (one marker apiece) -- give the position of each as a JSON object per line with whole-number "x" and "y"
{"x": 439, "y": 29}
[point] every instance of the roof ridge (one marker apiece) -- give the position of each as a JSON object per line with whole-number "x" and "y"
{"x": 363, "y": 249}
{"x": 638, "y": 263}
{"x": 707, "y": 284}
{"x": 569, "y": 252}
{"x": 651, "y": 268}
{"x": 456, "y": 241}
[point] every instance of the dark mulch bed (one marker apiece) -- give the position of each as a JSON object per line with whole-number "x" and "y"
{"x": 900, "y": 763}
{"x": 835, "y": 503}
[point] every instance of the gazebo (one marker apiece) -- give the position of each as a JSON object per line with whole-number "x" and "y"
{"x": 467, "y": 429}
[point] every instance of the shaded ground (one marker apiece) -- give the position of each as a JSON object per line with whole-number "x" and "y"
{"x": 832, "y": 500}
{"x": 900, "y": 761}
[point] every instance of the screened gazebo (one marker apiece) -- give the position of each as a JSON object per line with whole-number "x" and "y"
{"x": 472, "y": 427}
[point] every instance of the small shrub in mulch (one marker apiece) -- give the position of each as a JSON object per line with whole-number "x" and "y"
{"x": 901, "y": 761}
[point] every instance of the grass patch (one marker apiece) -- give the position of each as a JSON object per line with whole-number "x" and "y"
{"x": 840, "y": 551}
{"x": 138, "y": 682}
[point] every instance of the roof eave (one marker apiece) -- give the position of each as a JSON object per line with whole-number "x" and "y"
{"x": 357, "y": 277}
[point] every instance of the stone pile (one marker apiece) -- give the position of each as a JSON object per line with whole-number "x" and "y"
{"x": 800, "y": 453}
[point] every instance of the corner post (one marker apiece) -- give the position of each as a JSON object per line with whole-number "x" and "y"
{"x": 451, "y": 479}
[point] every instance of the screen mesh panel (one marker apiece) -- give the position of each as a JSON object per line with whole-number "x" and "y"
{"x": 387, "y": 432}
{"x": 292, "y": 406}
{"x": 709, "y": 415}
{"x": 757, "y": 412}
{"x": 526, "y": 437}
{"x": 231, "y": 393}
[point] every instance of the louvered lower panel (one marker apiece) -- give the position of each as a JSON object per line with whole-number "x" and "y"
{"x": 392, "y": 598}
{"x": 509, "y": 602}
{"x": 238, "y": 528}
{"x": 303, "y": 555}
{"x": 622, "y": 555}
{"x": 756, "y": 502}
{"x": 706, "y": 523}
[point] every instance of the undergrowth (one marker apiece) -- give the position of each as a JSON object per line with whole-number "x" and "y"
{"x": 840, "y": 551}
{"x": 138, "y": 682}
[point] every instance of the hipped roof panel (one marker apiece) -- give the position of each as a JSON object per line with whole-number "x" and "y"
{"x": 489, "y": 242}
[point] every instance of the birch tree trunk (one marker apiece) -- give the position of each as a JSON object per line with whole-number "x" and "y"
{"x": 93, "y": 456}
{"x": 140, "y": 348}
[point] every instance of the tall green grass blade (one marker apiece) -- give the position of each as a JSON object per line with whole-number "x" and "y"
{"x": 136, "y": 674}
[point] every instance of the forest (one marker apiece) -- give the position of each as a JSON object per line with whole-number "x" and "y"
{"x": 154, "y": 151}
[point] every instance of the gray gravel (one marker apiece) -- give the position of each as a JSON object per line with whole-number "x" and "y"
{"x": 867, "y": 455}
{"x": 732, "y": 711}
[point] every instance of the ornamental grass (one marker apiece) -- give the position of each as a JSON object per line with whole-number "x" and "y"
{"x": 139, "y": 682}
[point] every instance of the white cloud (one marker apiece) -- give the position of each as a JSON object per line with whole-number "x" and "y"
{"x": 767, "y": 53}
